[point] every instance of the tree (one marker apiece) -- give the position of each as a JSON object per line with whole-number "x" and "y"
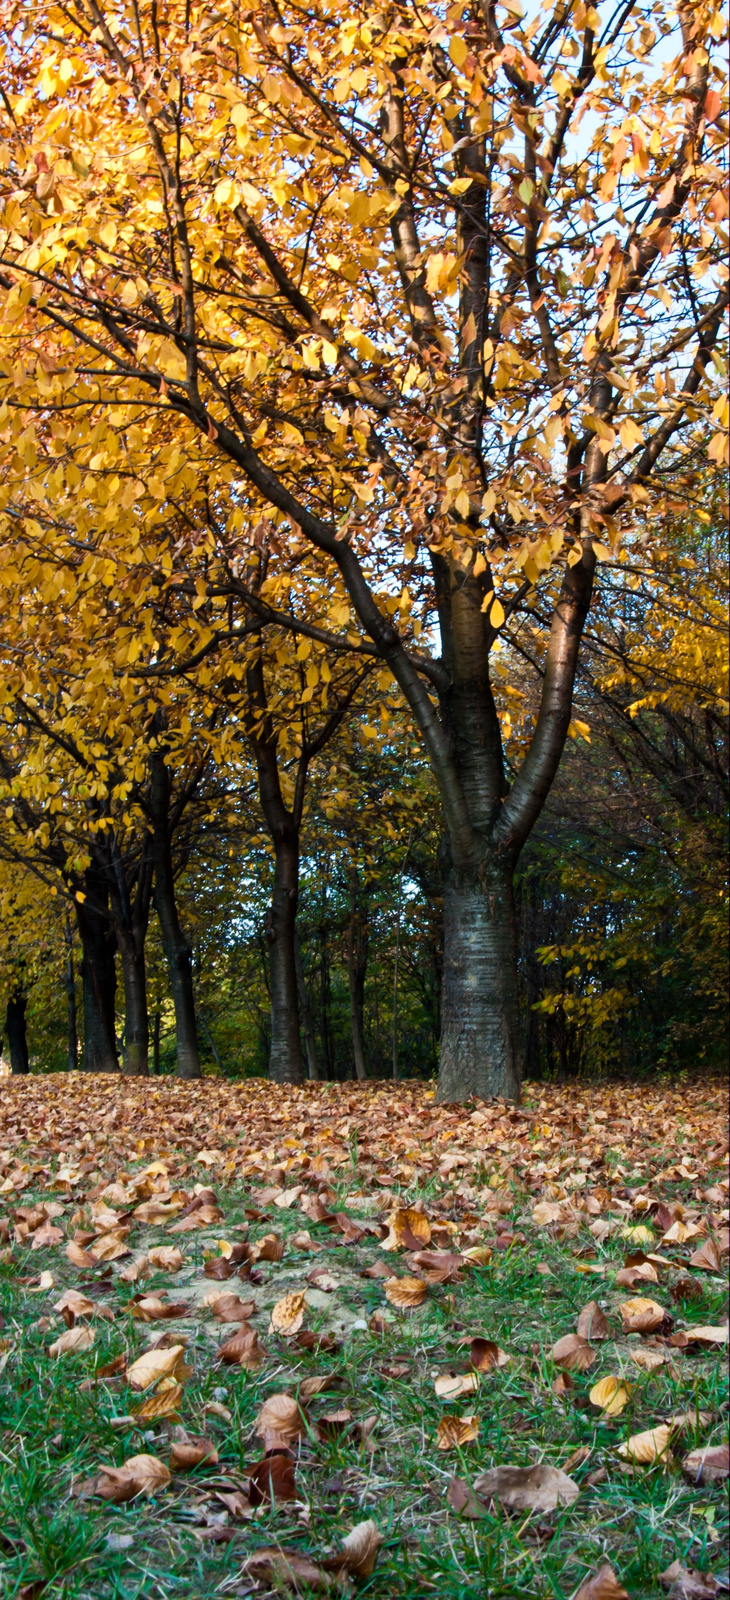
{"x": 367, "y": 276}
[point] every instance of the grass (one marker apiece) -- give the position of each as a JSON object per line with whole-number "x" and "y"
{"x": 55, "y": 1428}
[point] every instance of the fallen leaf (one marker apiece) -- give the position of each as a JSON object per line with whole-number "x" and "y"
{"x": 463, "y": 1501}
{"x": 573, "y": 1353}
{"x": 190, "y": 1453}
{"x": 452, "y": 1385}
{"x": 304, "y": 1241}
{"x": 546, "y": 1212}
{"x": 309, "y": 1388}
{"x": 73, "y": 1340}
{"x": 166, "y": 1258}
{"x": 643, "y": 1316}
{"x": 437, "y": 1266}
{"x": 453, "y": 1432}
{"x": 79, "y": 1257}
{"x": 323, "y": 1343}
{"x": 270, "y": 1248}
{"x": 229, "y": 1308}
{"x": 155, "y": 1364}
{"x": 139, "y": 1475}
{"x": 649, "y": 1360}
{"x": 163, "y": 1403}
{"x": 46, "y": 1236}
{"x": 710, "y": 1465}
{"x": 707, "y": 1257}
{"x": 592, "y": 1324}
{"x": 150, "y": 1308}
{"x": 702, "y": 1335}
{"x": 280, "y": 1421}
{"x": 334, "y": 1423}
{"x": 408, "y": 1230}
{"x": 684, "y": 1583}
{"x": 646, "y": 1448}
{"x": 243, "y": 1350}
{"x": 610, "y": 1395}
{"x": 359, "y": 1551}
{"x": 287, "y": 1315}
{"x": 477, "y": 1255}
{"x": 73, "y": 1305}
{"x": 320, "y": 1278}
{"x": 273, "y": 1480}
{"x": 45, "y": 1282}
{"x": 602, "y": 1585}
{"x": 485, "y": 1354}
{"x": 285, "y": 1569}
{"x": 540, "y": 1488}
{"x": 405, "y": 1292}
{"x": 562, "y": 1385}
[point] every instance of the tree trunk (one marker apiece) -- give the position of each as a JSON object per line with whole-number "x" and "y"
{"x": 178, "y": 954}
{"x": 305, "y": 1012}
{"x": 480, "y": 1020}
{"x": 98, "y": 977}
{"x": 136, "y": 1021}
{"x": 156, "y": 1045}
{"x": 285, "y": 1059}
{"x": 15, "y": 1030}
{"x": 357, "y": 960}
{"x": 73, "y": 1036}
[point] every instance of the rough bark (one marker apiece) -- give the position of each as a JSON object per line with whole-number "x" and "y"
{"x": 156, "y": 1044}
{"x": 72, "y": 1021}
{"x": 480, "y": 1038}
{"x": 357, "y": 962}
{"x": 98, "y": 976}
{"x": 305, "y": 1012}
{"x": 178, "y": 953}
{"x": 130, "y": 908}
{"x": 16, "y": 1033}
{"x": 285, "y": 1059}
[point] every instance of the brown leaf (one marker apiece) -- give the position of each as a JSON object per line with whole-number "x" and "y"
{"x": 359, "y": 1551}
{"x": 243, "y": 1350}
{"x": 154, "y": 1365}
{"x": 684, "y": 1583}
{"x": 322, "y": 1343}
{"x": 73, "y": 1305}
{"x": 270, "y": 1248}
{"x": 405, "y": 1293}
{"x": 220, "y": 1268}
{"x": 437, "y": 1266}
{"x": 150, "y": 1308}
{"x": 573, "y": 1353}
{"x": 287, "y": 1315}
{"x": 562, "y": 1385}
{"x": 304, "y": 1241}
{"x": 485, "y": 1354}
{"x": 643, "y": 1316}
{"x": 454, "y": 1432}
{"x": 408, "y": 1230}
{"x": 273, "y": 1479}
{"x": 280, "y": 1421}
{"x": 309, "y": 1388}
{"x": 190, "y": 1453}
{"x": 648, "y": 1447}
{"x": 321, "y": 1279}
{"x": 602, "y": 1585}
{"x": 74, "y": 1340}
{"x": 204, "y": 1217}
{"x": 379, "y": 1269}
{"x": 166, "y": 1258}
{"x": 540, "y": 1488}
{"x": 710, "y": 1465}
{"x": 79, "y": 1257}
{"x": 229, "y": 1308}
{"x": 705, "y": 1335}
{"x": 452, "y": 1385}
{"x": 707, "y": 1257}
{"x": 333, "y": 1423}
{"x": 463, "y": 1501}
{"x": 592, "y": 1324}
{"x": 163, "y": 1403}
{"x": 285, "y": 1569}
{"x": 649, "y": 1360}
{"x": 140, "y": 1475}
{"x": 46, "y": 1236}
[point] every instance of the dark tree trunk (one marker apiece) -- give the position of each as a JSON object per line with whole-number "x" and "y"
{"x": 357, "y": 964}
{"x": 16, "y": 1032}
{"x": 72, "y": 1035}
{"x": 156, "y": 1045}
{"x": 131, "y": 912}
{"x": 285, "y": 1061}
{"x": 178, "y": 953}
{"x": 305, "y": 1012}
{"x": 480, "y": 1031}
{"x": 98, "y": 976}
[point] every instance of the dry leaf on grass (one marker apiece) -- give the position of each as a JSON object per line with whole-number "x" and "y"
{"x": 280, "y": 1421}
{"x": 592, "y": 1324}
{"x": 454, "y": 1432}
{"x": 707, "y": 1257}
{"x": 710, "y": 1465}
{"x": 73, "y": 1341}
{"x": 484, "y": 1354}
{"x": 602, "y": 1585}
{"x": 358, "y": 1553}
{"x": 244, "y": 1350}
{"x": 405, "y": 1293}
{"x": 287, "y": 1315}
{"x": 648, "y": 1447}
{"x": 304, "y": 1241}
{"x": 189, "y": 1453}
{"x": 649, "y": 1360}
{"x": 463, "y": 1501}
{"x": 540, "y": 1488}
{"x": 270, "y": 1248}
{"x": 281, "y": 1570}
{"x": 478, "y": 1255}
{"x": 273, "y": 1480}
{"x": 79, "y": 1257}
{"x": 643, "y": 1316}
{"x": 230, "y": 1308}
{"x": 151, "y": 1308}
{"x": 452, "y": 1385}
{"x": 546, "y": 1212}
{"x": 333, "y": 1423}
{"x": 156, "y": 1364}
{"x": 163, "y": 1403}
{"x": 321, "y": 1279}
{"x": 573, "y": 1353}
{"x": 109, "y": 1248}
{"x": 309, "y": 1388}
{"x": 562, "y": 1385}
{"x": 683, "y": 1583}
{"x": 73, "y": 1305}
{"x": 139, "y": 1475}
{"x": 166, "y": 1258}
{"x": 321, "y": 1343}
{"x": 408, "y": 1230}
{"x": 610, "y": 1395}
{"x": 46, "y": 1236}
{"x": 437, "y": 1266}
{"x": 706, "y": 1335}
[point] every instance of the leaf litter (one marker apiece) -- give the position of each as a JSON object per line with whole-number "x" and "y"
{"x": 459, "y": 1201}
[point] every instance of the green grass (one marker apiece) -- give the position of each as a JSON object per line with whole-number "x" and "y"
{"x": 53, "y": 1431}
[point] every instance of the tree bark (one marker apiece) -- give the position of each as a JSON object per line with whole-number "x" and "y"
{"x": 156, "y": 1044}
{"x": 135, "y": 1061}
{"x": 285, "y": 1060}
{"x": 16, "y": 1032}
{"x": 98, "y": 976}
{"x": 305, "y": 1012}
{"x": 357, "y": 961}
{"x": 480, "y": 1037}
{"x": 178, "y": 953}
{"x": 73, "y": 1036}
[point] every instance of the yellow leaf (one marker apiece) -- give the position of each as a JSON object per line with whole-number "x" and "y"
{"x": 610, "y": 1395}
{"x": 645, "y": 1448}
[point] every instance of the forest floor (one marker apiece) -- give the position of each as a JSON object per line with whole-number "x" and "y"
{"x": 415, "y": 1298}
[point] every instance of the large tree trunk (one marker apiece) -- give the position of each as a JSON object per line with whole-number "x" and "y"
{"x": 16, "y": 1032}
{"x": 98, "y": 977}
{"x": 357, "y": 962}
{"x": 305, "y": 1012}
{"x": 178, "y": 953}
{"x": 285, "y": 1059}
{"x": 135, "y": 1061}
{"x": 480, "y": 1037}
{"x": 72, "y": 1023}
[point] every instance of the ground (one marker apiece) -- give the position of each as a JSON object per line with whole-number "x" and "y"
{"x": 527, "y": 1215}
